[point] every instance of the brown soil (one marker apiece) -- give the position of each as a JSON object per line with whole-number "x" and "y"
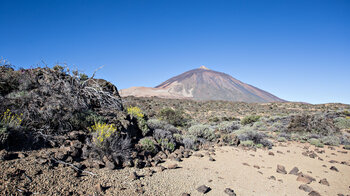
{"x": 247, "y": 172}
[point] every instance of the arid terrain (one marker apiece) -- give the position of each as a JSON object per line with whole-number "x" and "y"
{"x": 63, "y": 133}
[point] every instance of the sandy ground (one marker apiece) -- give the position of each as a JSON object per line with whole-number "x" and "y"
{"x": 233, "y": 168}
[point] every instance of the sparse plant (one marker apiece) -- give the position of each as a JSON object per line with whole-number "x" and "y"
{"x": 202, "y": 131}
{"x": 10, "y": 120}
{"x": 135, "y": 112}
{"x": 148, "y": 145}
{"x": 342, "y": 123}
{"x": 331, "y": 140}
{"x": 228, "y": 126}
{"x": 315, "y": 142}
{"x": 250, "y": 119}
{"x": 247, "y": 143}
{"x": 101, "y": 132}
{"x": 190, "y": 141}
{"x": 259, "y": 146}
{"x": 281, "y": 139}
{"x": 174, "y": 117}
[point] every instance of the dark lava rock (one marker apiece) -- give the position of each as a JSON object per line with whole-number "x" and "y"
{"x": 281, "y": 169}
{"x": 314, "y": 193}
{"x": 305, "y": 178}
{"x": 305, "y": 188}
{"x": 324, "y": 182}
{"x": 230, "y": 192}
{"x": 294, "y": 171}
{"x": 133, "y": 176}
{"x": 334, "y": 168}
{"x": 203, "y": 189}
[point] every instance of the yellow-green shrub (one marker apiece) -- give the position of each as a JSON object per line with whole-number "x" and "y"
{"x": 135, "y": 112}
{"x": 101, "y": 132}
{"x": 8, "y": 119}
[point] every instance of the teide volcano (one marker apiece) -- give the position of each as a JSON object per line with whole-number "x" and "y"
{"x": 204, "y": 84}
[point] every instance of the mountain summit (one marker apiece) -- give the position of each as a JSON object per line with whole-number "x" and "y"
{"x": 204, "y": 84}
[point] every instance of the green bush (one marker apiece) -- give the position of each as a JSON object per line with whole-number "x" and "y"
{"x": 174, "y": 117}
{"x": 148, "y": 144}
{"x": 342, "y": 123}
{"x": 247, "y": 143}
{"x": 259, "y": 146}
{"x": 281, "y": 139}
{"x": 249, "y": 119}
{"x": 202, "y": 131}
{"x": 228, "y": 127}
{"x": 315, "y": 142}
{"x": 347, "y": 147}
{"x": 331, "y": 140}
{"x": 165, "y": 144}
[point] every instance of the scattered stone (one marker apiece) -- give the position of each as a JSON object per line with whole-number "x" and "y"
{"x": 203, "y": 189}
{"x": 198, "y": 155}
{"x": 305, "y": 188}
{"x": 257, "y": 167}
{"x": 246, "y": 164}
{"x": 230, "y": 192}
{"x": 333, "y": 161}
{"x": 172, "y": 166}
{"x": 110, "y": 165}
{"x": 294, "y": 171}
{"x": 314, "y": 193}
{"x": 99, "y": 188}
{"x": 185, "y": 194}
{"x": 272, "y": 178}
{"x": 159, "y": 169}
{"x": 324, "y": 182}
{"x": 281, "y": 169}
{"x": 133, "y": 176}
{"x": 305, "y": 178}
{"x": 211, "y": 159}
{"x": 279, "y": 152}
{"x": 271, "y": 153}
{"x": 210, "y": 180}
{"x": 334, "y": 168}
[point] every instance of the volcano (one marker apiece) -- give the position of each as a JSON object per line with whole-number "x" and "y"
{"x": 204, "y": 84}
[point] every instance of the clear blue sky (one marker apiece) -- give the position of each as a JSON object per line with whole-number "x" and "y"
{"x": 296, "y": 50}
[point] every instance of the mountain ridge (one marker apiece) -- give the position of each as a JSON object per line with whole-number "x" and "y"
{"x": 204, "y": 84}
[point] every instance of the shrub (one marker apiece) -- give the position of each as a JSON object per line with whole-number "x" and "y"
{"x": 83, "y": 77}
{"x": 135, "y": 112}
{"x": 10, "y": 120}
{"x": 142, "y": 124}
{"x": 260, "y": 126}
{"x": 347, "y": 147}
{"x": 317, "y": 124}
{"x": 259, "y": 145}
{"x": 101, "y": 132}
{"x": 342, "y": 123}
{"x": 85, "y": 119}
{"x": 331, "y": 140}
{"x": 202, "y": 131}
{"x": 154, "y": 124}
{"x": 166, "y": 144}
{"x": 315, "y": 142}
{"x": 177, "y": 137}
{"x": 255, "y": 136}
{"x": 148, "y": 145}
{"x": 189, "y": 142}
{"x": 345, "y": 139}
{"x": 228, "y": 127}
{"x": 247, "y": 143}
{"x": 249, "y": 119}
{"x": 277, "y": 126}
{"x": 281, "y": 139}
{"x": 230, "y": 139}
{"x": 174, "y": 117}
